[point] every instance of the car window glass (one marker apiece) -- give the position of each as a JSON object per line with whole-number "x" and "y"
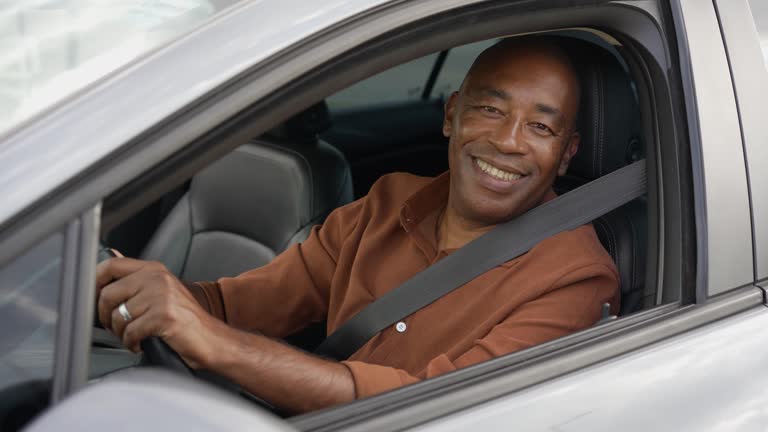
{"x": 399, "y": 84}
{"x": 51, "y": 48}
{"x": 456, "y": 65}
{"x": 760, "y": 14}
{"x": 29, "y": 296}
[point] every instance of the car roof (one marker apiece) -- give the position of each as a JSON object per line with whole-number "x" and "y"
{"x": 55, "y": 146}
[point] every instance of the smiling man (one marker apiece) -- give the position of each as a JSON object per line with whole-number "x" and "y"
{"x": 511, "y": 128}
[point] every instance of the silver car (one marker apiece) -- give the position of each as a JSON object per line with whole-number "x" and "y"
{"x": 122, "y": 121}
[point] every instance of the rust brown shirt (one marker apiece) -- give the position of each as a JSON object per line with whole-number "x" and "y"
{"x": 372, "y": 245}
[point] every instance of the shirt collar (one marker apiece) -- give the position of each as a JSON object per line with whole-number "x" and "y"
{"x": 428, "y": 200}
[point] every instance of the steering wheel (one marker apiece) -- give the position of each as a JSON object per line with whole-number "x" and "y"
{"x": 158, "y": 353}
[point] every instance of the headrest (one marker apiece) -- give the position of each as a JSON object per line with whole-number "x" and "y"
{"x": 609, "y": 116}
{"x": 304, "y": 126}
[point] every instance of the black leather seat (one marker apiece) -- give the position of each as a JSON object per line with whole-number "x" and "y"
{"x": 609, "y": 123}
{"x": 255, "y": 202}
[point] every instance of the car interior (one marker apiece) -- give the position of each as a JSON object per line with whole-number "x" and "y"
{"x": 245, "y": 208}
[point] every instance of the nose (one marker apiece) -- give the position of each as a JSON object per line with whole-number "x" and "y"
{"x": 507, "y": 136}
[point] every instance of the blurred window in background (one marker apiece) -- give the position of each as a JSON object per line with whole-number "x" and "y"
{"x": 456, "y": 66}
{"x": 50, "y": 49}
{"x": 760, "y": 15}
{"x": 400, "y": 84}
{"x": 407, "y": 82}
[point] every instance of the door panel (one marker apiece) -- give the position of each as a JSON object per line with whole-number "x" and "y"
{"x": 649, "y": 390}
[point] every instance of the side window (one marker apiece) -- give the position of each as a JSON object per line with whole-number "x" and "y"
{"x": 760, "y": 14}
{"x": 29, "y": 298}
{"x": 399, "y": 84}
{"x": 456, "y": 65}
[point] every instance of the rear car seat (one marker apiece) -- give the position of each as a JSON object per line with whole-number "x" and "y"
{"x": 243, "y": 210}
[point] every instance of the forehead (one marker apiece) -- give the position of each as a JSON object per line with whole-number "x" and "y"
{"x": 539, "y": 75}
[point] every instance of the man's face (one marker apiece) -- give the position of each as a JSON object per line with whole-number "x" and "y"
{"x": 511, "y": 133}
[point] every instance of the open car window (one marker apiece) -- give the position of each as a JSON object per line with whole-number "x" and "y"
{"x": 217, "y": 197}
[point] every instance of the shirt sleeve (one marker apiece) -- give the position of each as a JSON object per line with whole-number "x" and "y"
{"x": 574, "y": 303}
{"x": 291, "y": 291}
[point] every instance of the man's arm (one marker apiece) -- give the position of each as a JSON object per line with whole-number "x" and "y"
{"x": 288, "y": 378}
{"x": 291, "y": 291}
{"x": 297, "y": 381}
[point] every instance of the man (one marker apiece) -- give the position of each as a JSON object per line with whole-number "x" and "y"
{"x": 512, "y": 131}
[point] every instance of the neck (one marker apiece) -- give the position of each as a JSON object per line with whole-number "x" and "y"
{"x": 454, "y": 231}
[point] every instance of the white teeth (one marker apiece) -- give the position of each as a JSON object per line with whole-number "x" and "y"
{"x": 495, "y": 172}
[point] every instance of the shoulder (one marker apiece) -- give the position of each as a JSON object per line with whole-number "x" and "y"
{"x": 399, "y": 183}
{"x": 396, "y": 188}
{"x": 387, "y": 193}
{"x": 573, "y": 250}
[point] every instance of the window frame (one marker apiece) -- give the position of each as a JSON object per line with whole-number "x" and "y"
{"x": 76, "y": 304}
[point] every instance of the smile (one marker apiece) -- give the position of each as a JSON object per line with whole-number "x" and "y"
{"x": 496, "y": 172}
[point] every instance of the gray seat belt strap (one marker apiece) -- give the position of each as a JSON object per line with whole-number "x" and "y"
{"x": 505, "y": 242}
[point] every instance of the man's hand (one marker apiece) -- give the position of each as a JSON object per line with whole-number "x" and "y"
{"x": 159, "y": 305}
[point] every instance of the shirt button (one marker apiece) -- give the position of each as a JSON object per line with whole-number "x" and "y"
{"x": 400, "y": 327}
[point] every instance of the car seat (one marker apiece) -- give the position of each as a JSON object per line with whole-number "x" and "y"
{"x": 244, "y": 209}
{"x": 609, "y": 124}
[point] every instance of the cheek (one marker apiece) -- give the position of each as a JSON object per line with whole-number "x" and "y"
{"x": 548, "y": 156}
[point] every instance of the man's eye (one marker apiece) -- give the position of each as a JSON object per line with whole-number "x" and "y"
{"x": 543, "y": 129}
{"x": 489, "y": 109}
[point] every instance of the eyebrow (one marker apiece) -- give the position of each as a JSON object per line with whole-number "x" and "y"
{"x": 495, "y": 93}
{"x": 549, "y": 110}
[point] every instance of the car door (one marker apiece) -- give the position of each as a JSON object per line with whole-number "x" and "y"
{"x": 706, "y": 286}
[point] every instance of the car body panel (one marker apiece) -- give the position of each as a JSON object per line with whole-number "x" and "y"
{"x": 750, "y": 77}
{"x": 63, "y": 142}
{"x": 728, "y": 252}
{"x": 669, "y": 386}
{"x": 155, "y": 400}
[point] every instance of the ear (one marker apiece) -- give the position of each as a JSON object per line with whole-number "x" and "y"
{"x": 450, "y": 107}
{"x": 570, "y": 149}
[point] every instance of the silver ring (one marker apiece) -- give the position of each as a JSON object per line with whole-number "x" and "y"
{"x": 124, "y": 312}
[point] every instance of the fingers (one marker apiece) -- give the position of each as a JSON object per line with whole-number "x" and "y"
{"x": 116, "y": 268}
{"x": 115, "y": 293}
{"x": 138, "y": 329}
{"x": 137, "y": 306}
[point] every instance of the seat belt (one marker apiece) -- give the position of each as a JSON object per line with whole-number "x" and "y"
{"x": 503, "y": 243}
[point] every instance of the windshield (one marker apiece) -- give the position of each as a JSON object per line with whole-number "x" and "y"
{"x": 49, "y": 49}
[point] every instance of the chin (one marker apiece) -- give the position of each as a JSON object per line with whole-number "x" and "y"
{"x": 492, "y": 213}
